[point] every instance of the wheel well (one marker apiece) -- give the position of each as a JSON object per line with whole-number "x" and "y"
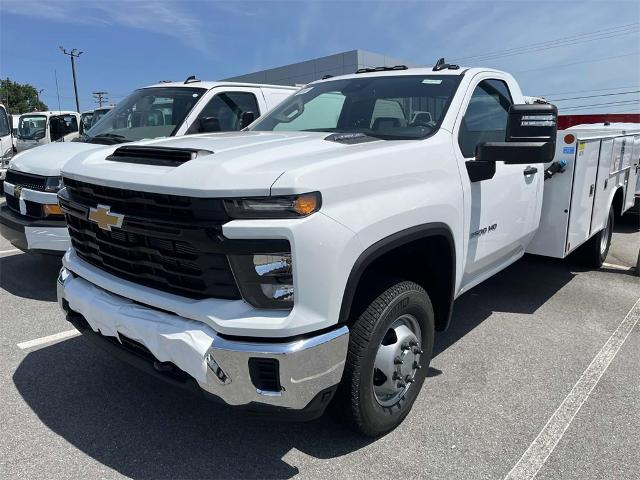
{"x": 428, "y": 261}
{"x": 618, "y": 202}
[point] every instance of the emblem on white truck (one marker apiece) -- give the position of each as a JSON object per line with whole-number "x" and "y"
{"x": 105, "y": 218}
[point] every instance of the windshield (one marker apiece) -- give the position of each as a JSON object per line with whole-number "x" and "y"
{"x": 85, "y": 121}
{"x": 32, "y": 127}
{"x": 390, "y": 107}
{"x": 98, "y": 114}
{"x": 146, "y": 113}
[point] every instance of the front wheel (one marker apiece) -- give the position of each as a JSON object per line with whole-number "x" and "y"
{"x": 390, "y": 349}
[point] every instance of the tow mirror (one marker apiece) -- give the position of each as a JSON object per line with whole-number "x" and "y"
{"x": 209, "y": 124}
{"x": 247, "y": 119}
{"x": 530, "y": 137}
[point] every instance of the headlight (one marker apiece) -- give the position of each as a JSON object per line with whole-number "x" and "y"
{"x": 265, "y": 280}
{"x": 290, "y": 206}
{"x": 53, "y": 184}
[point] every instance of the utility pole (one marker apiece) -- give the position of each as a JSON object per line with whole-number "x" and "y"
{"x": 100, "y": 97}
{"x": 38, "y": 92}
{"x": 73, "y": 54}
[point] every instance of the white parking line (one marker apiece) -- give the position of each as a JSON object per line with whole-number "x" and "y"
{"x": 49, "y": 339}
{"x": 613, "y": 266}
{"x": 13, "y": 250}
{"x": 539, "y": 451}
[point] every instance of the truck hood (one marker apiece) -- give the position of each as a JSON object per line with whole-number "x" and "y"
{"x": 242, "y": 163}
{"x": 48, "y": 159}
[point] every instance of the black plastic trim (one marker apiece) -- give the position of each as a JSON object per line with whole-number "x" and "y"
{"x": 387, "y": 244}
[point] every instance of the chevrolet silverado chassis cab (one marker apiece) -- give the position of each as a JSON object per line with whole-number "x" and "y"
{"x": 32, "y": 220}
{"x": 312, "y": 258}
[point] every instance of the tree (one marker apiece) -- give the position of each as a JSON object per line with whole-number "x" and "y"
{"x": 20, "y": 97}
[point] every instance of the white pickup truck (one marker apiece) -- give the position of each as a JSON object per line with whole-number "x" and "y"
{"x": 6, "y": 142}
{"x": 314, "y": 256}
{"x": 32, "y": 220}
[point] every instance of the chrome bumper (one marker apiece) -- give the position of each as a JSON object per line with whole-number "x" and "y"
{"x": 306, "y": 367}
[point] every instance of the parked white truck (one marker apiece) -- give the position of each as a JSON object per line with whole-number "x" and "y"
{"x": 32, "y": 220}
{"x": 40, "y": 128}
{"x": 314, "y": 256}
{"x": 6, "y": 142}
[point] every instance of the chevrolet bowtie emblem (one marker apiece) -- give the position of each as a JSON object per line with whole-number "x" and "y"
{"x": 105, "y": 219}
{"x": 17, "y": 191}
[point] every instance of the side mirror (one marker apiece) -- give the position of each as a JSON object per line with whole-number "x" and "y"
{"x": 209, "y": 124}
{"x": 530, "y": 138}
{"x": 247, "y": 119}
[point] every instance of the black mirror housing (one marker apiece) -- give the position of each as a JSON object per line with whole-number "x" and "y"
{"x": 532, "y": 123}
{"x": 530, "y": 136}
{"x": 513, "y": 153}
{"x": 247, "y": 119}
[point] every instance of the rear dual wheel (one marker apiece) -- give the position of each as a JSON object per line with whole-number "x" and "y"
{"x": 390, "y": 349}
{"x": 594, "y": 252}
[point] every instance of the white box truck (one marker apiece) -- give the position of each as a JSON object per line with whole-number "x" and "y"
{"x": 311, "y": 258}
{"x": 32, "y": 220}
{"x": 40, "y": 128}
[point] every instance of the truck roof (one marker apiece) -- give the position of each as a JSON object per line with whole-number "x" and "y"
{"x": 415, "y": 71}
{"x": 52, "y": 112}
{"x": 209, "y": 85}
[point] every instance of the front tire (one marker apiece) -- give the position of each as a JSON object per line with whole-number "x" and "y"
{"x": 390, "y": 348}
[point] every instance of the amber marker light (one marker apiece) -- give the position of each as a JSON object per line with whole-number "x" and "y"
{"x": 306, "y": 204}
{"x": 51, "y": 210}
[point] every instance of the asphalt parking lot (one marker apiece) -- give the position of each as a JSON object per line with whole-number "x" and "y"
{"x": 518, "y": 350}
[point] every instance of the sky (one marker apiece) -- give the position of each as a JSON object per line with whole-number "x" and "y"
{"x": 558, "y": 49}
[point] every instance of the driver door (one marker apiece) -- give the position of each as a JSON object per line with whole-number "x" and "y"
{"x": 501, "y": 213}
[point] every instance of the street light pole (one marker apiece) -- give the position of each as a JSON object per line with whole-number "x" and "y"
{"x": 73, "y": 54}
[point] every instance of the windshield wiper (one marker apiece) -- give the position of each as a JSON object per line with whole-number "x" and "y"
{"x": 108, "y": 139}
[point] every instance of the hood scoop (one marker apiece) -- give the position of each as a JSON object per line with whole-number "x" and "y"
{"x": 161, "y": 156}
{"x": 350, "y": 138}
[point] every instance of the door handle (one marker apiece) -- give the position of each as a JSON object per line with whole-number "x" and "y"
{"x": 530, "y": 171}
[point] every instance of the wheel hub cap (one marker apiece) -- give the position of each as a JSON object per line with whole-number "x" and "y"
{"x": 397, "y": 360}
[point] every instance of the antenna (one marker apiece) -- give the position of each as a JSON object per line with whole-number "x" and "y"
{"x": 442, "y": 65}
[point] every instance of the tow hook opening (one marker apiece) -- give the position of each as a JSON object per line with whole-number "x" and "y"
{"x": 217, "y": 369}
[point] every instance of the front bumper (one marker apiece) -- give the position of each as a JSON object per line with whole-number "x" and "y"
{"x": 307, "y": 369}
{"x": 41, "y": 236}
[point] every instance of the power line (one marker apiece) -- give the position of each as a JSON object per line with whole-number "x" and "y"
{"x": 591, "y": 96}
{"x": 537, "y": 44}
{"x": 578, "y": 63}
{"x": 607, "y": 104}
{"x": 592, "y": 90}
{"x": 558, "y": 42}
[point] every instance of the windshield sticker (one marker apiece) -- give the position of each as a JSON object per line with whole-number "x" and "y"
{"x": 303, "y": 91}
{"x": 194, "y": 95}
{"x": 432, "y": 81}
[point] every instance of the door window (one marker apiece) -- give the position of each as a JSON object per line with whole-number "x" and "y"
{"x": 486, "y": 117}
{"x": 4, "y": 123}
{"x": 228, "y": 108}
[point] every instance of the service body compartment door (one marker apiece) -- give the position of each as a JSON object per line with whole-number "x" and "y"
{"x": 633, "y": 146}
{"x": 603, "y": 188}
{"x": 551, "y": 237}
{"x": 584, "y": 185}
